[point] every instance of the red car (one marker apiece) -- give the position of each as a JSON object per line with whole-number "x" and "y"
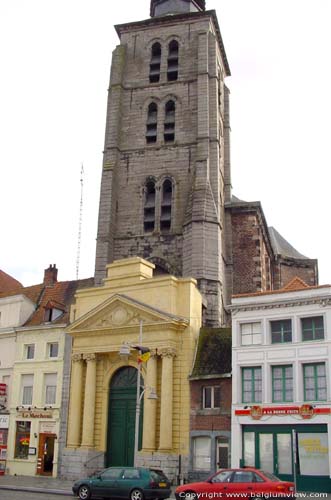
{"x": 247, "y": 482}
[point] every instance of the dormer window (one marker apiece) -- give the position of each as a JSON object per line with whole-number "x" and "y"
{"x": 155, "y": 64}
{"x": 151, "y": 125}
{"x": 53, "y": 311}
{"x": 172, "y": 73}
{"x": 169, "y": 122}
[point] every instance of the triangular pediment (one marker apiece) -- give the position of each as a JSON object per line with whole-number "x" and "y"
{"x": 120, "y": 311}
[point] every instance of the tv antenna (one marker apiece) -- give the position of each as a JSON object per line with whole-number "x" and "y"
{"x": 80, "y": 220}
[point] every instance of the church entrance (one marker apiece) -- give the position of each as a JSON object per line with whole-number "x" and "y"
{"x": 121, "y": 418}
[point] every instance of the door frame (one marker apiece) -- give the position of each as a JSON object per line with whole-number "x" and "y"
{"x": 41, "y": 455}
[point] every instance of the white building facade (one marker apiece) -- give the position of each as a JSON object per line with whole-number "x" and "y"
{"x": 281, "y": 382}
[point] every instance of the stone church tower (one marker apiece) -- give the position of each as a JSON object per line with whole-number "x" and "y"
{"x": 166, "y": 170}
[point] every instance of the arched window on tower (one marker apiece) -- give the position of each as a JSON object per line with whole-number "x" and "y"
{"x": 149, "y": 208}
{"x": 169, "y": 122}
{"x": 166, "y": 201}
{"x": 172, "y": 73}
{"x": 151, "y": 125}
{"x": 155, "y": 65}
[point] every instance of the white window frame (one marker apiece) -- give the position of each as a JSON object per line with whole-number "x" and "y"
{"x": 212, "y": 396}
{"x": 49, "y": 346}
{"x": 250, "y": 334}
{"x": 26, "y": 351}
{"x": 48, "y": 377}
{"x": 24, "y": 385}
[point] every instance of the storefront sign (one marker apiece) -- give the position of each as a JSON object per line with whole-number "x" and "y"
{"x": 305, "y": 411}
{"x": 4, "y": 421}
{"x": 3, "y": 389}
{"x": 47, "y": 427}
{"x": 313, "y": 454}
{"x": 35, "y": 414}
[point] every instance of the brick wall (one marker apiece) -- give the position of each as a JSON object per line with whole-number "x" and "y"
{"x": 211, "y": 419}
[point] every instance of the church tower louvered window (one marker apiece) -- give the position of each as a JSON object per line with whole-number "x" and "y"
{"x": 169, "y": 122}
{"x": 172, "y": 73}
{"x": 166, "y": 202}
{"x": 151, "y": 126}
{"x": 155, "y": 64}
{"x": 149, "y": 208}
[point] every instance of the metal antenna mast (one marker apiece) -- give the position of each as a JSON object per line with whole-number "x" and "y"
{"x": 80, "y": 220}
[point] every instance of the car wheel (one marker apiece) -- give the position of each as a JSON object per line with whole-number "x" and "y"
{"x": 190, "y": 495}
{"x": 84, "y": 492}
{"x": 136, "y": 494}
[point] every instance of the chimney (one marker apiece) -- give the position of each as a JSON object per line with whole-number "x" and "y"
{"x": 50, "y": 275}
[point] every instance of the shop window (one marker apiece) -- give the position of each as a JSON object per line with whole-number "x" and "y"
{"x": 282, "y": 384}
{"x": 281, "y": 331}
{"x": 169, "y": 121}
{"x": 201, "y": 453}
{"x": 312, "y": 328}
{"x": 151, "y": 125}
{"x": 211, "y": 397}
{"x": 27, "y": 389}
{"x": 251, "y": 333}
{"x": 165, "y": 221}
{"x": 29, "y": 351}
{"x": 149, "y": 208}
{"x": 252, "y": 384}
{"x": 249, "y": 449}
{"x": 50, "y": 388}
{"x": 22, "y": 439}
{"x": 314, "y": 380}
{"x": 155, "y": 64}
{"x": 53, "y": 349}
{"x": 172, "y": 73}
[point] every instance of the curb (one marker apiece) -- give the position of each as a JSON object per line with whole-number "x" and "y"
{"x": 31, "y": 489}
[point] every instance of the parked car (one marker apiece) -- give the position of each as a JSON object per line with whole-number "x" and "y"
{"x": 133, "y": 483}
{"x": 246, "y": 482}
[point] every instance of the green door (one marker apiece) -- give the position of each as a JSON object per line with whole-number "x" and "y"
{"x": 121, "y": 418}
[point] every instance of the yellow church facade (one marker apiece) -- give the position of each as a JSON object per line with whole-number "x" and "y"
{"x": 131, "y": 305}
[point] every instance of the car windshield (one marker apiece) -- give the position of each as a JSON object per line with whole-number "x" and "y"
{"x": 270, "y": 476}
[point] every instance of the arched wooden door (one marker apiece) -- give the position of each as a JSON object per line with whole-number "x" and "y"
{"x": 121, "y": 418}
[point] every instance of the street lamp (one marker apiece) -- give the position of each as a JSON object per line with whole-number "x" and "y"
{"x": 125, "y": 352}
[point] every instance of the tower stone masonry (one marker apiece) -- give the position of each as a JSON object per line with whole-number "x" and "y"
{"x": 166, "y": 169}
{"x": 166, "y": 178}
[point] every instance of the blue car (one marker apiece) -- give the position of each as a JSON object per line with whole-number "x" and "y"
{"x": 132, "y": 483}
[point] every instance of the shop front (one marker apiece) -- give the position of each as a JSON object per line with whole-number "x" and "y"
{"x": 4, "y": 424}
{"x": 288, "y": 442}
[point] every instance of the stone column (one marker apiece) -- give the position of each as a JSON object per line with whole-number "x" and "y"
{"x": 89, "y": 401}
{"x": 75, "y": 404}
{"x": 166, "y": 400}
{"x": 150, "y": 405}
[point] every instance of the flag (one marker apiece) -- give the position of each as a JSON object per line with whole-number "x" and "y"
{"x": 145, "y": 353}
{"x": 143, "y": 358}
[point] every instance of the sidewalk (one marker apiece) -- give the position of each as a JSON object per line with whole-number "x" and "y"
{"x": 39, "y": 484}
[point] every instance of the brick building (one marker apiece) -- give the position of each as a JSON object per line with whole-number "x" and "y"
{"x": 210, "y": 421}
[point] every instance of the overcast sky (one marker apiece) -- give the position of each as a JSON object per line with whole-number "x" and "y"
{"x": 55, "y": 62}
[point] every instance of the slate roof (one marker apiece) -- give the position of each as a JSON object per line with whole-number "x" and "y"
{"x": 7, "y": 282}
{"x": 61, "y": 292}
{"x": 200, "y": 3}
{"x": 213, "y": 356}
{"x": 282, "y": 247}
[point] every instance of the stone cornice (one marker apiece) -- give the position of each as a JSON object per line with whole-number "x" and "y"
{"x": 321, "y": 301}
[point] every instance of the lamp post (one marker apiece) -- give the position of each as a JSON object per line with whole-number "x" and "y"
{"x": 125, "y": 351}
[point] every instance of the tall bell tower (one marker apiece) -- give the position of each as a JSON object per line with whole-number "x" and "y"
{"x": 166, "y": 168}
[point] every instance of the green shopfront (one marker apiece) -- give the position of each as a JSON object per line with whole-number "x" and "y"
{"x": 286, "y": 449}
